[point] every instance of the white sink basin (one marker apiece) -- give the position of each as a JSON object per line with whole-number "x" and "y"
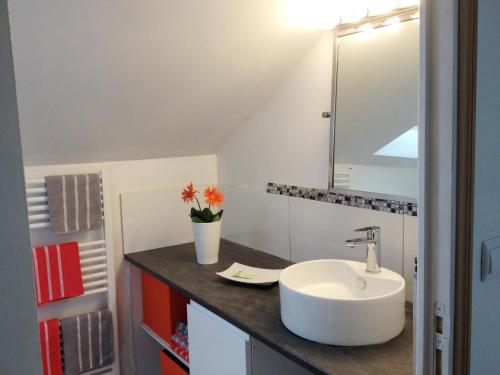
{"x": 337, "y": 302}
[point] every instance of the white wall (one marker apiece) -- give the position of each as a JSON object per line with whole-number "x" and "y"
{"x": 134, "y": 176}
{"x": 287, "y": 141}
{"x": 258, "y": 220}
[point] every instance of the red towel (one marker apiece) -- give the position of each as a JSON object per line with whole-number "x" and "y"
{"x": 50, "y": 344}
{"x": 57, "y": 272}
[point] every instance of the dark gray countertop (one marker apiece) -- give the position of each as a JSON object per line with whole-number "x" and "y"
{"x": 256, "y": 310}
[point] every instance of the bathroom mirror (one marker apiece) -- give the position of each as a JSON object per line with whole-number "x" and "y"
{"x": 374, "y": 137}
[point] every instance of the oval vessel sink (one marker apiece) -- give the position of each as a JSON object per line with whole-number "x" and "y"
{"x": 337, "y": 302}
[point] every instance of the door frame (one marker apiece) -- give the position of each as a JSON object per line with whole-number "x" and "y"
{"x": 466, "y": 113}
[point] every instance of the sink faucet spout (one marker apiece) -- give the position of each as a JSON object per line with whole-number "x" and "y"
{"x": 372, "y": 242}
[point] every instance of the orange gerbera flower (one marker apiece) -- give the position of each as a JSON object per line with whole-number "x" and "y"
{"x": 188, "y": 193}
{"x": 213, "y": 196}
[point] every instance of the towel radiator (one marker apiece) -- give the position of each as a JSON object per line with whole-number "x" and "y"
{"x": 96, "y": 259}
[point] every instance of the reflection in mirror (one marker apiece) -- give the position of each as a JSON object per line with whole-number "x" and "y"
{"x": 376, "y": 109}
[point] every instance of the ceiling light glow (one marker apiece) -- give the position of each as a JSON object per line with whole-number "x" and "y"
{"x": 366, "y": 30}
{"x": 407, "y": 3}
{"x": 393, "y": 24}
{"x": 326, "y": 14}
{"x": 392, "y": 21}
{"x": 366, "y": 27}
{"x": 312, "y": 14}
{"x": 376, "y": 7}
{"x": 352, "y": 10}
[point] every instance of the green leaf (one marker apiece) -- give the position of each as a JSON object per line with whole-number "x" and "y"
{"x": 207, "y": 216}
{"x": 218, "y": 216}
{"x": 203, "y": 216}
{"x": 196, "y": 216}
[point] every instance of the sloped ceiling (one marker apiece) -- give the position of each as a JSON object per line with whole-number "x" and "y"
{"x": 102, "y": 80}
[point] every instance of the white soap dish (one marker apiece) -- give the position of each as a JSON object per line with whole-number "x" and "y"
{"x": 250, "y": 275}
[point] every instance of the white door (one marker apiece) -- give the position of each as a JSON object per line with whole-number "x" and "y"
{"x": 215, "y": 346}
{"x": 485, "y": 324}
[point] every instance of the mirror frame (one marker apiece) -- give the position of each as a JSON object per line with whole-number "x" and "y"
{"x": 340, "y": 31}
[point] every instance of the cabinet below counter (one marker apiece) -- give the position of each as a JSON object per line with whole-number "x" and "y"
{"x": 256, "y": 312}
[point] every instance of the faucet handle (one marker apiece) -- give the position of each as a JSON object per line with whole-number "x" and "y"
{"x": 372, "y": 232}
{"x": 372, "y": 228}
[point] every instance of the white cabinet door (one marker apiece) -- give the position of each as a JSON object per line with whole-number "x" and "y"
{"x": 216, "y": 347}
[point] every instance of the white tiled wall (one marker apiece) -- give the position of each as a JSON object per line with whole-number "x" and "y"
{"x": 257, "y": 219}
{"x": 154, "y": 218}
{"x": 319, "y": 230}
{"x": 300, "y": 229}
{"x": 410, "y": 252}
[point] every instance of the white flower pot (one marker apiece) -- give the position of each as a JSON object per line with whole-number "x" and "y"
{"x": 207, "y": 240}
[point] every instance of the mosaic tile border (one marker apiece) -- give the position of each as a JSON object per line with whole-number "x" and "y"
{"x": 323, "y": 195}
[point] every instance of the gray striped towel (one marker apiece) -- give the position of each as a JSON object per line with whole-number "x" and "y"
{"x": 74, "y": 202}
{"x": 87, "y": 342}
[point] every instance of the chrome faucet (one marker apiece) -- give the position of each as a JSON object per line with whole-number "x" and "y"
{"x": 372, "y": 242}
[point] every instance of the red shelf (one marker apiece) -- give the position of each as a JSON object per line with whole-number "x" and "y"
{"x": 163, "y": 307}
{"x": 169, "y": 366}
